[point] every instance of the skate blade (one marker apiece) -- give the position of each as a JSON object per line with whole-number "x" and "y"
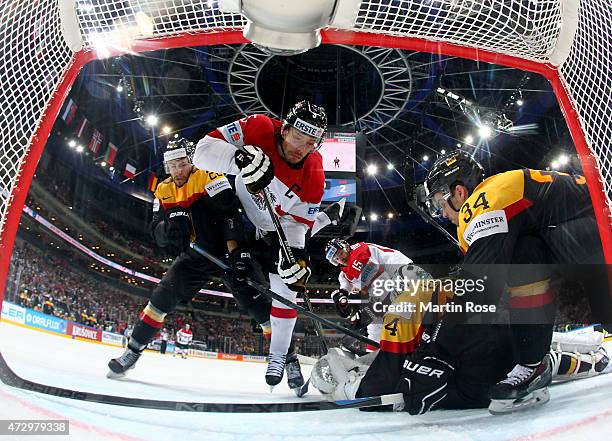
{"x": 302, "y": 390}
{"x": 536, "y": 398}
{"x": 114, "y": 375}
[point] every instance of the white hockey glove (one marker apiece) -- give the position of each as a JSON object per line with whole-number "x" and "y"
{"x": 257, "y": 169}
{"x": 294, "y": 276}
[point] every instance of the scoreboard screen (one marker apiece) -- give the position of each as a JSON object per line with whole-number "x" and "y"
{"x": 339, "y": 151}
{"x": 336, "y": 189}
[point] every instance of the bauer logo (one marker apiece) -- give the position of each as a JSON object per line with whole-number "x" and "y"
{"x": 486, "y": 224}
{"x": 307, "y": 128}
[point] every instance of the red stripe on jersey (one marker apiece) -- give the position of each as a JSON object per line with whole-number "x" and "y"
{"x": 371, "y": 348}
{"x": 151, "y": 322}
{"x": 186, "y": 203}
{"x": 534, "y": 301}
{"x": 283, "y": 312}
{"x": 299, "y": 219}
{"x": 514, "y": 209}
{"x": 406, "y": 347}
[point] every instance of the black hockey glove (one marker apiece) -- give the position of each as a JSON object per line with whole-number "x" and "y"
{"x": 362, "y": 318}
{"x": 340, "y": 298}
{"x": 179, "y": 230}
{"x": 294, "y": 276}
{"x": 241, "y": 263}
{"x": 424, "y": 382}
{"x": 257, "y": 169}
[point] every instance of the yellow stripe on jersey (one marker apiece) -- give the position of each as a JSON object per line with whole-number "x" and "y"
{"x": 200, "y": 183}
{"x": 483, "y": 212}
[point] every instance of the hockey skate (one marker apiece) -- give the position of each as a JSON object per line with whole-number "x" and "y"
{"x": 295, "y": 380}
{"x": 120, "y": 365}
{"x": 525, "y": 387}
{"x": 276, "y": 366}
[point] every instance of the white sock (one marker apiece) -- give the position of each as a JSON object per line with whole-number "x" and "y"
{"x": 282, "y": 318}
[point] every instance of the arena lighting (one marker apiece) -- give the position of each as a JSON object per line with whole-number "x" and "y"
{"x": 111, "y": 168}
{"x": 563, "y": 159}
{"x": 443, "y": 152}
{"x": 390, "y": 215}
{"x": 103, "y": 163}
{"x": 166, "y": 130}
{"x": 485, "y": 131}
{"x": 469, "y": 139}
{"x": 373, "y": 217}
{"x": 289, "y": 28}
{"x": 520, "y": 102}
{"x": 152, "y": 120}
{"x": 390, "y": 166}
{"x": 425, "y": 158}
{"x": 363, "y": 218}
{"x": 371, "y": 169}
{"x": 459, "y": 145}
{"x": 119, "y": 88}
{"x": 554, "y": 165}
{"x": 79, "y": 148}
{"x": 72, "y": 143}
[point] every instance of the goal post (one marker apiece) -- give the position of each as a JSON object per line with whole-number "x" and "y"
{"x": 45, "y": 43}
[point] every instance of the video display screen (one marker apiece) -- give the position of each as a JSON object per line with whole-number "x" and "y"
{"x": 336, "y": 189}
{"x": 339, "y": 152}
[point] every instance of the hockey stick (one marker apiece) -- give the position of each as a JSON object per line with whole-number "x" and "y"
{"x": 286, "y": 249}
{"x": 271, "y": 294}
{"x": 10, "y": 378}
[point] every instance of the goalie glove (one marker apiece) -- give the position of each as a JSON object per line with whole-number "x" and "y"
{"x": 294, "y": 276}
{"x": 424, "y": 382}
{"x": 340, "y": 298}
{"x": 257, "y": 169}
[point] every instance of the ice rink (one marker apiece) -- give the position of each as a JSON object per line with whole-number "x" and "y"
{"x": 576, "y": 410}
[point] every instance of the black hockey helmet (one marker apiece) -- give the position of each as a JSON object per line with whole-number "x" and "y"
{"x": 452, "y": 169}
{"x": 176, "y": 149}
{"x": 332, "y": 248}
{"x": 309, "y": 119}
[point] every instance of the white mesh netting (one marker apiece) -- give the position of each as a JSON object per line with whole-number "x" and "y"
{"x": 588, "y": 77}
{"x": 33, "y": 58}
{"x": 34, "y": 55}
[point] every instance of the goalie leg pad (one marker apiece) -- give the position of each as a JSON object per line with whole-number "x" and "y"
{"x": 337, "y": 375}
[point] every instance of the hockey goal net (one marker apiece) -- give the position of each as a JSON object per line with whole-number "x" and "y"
{"x": 46, "y": 42}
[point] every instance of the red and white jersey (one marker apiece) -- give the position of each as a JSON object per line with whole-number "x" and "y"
{"x": 368, "y": 262}
{"x": 296, "y": 192}
{"x": 184, "y": 336}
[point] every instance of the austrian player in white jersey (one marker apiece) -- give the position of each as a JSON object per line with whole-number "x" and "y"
{"x": 363, "y": 267}
{"x": 281, "y": 156}
{"x": 183, "y": 339}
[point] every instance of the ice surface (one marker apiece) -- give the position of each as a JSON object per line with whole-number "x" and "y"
{"x": 576, "y": 410}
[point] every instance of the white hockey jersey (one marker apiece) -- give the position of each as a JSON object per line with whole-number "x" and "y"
{"x": 184, "y": 336}
{"x": 368, "y": 263}
{"x": 296, "y": 192}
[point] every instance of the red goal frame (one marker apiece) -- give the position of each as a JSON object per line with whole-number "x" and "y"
{"x": 80, "y": 59}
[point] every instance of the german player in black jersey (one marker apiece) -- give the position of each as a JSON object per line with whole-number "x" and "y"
{"x": 516, "y": 229}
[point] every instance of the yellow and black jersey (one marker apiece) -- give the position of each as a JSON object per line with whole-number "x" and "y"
{"x": 514, "y": 203}
{"x": 211, "y": 202}
{"x": 405, "y": 327}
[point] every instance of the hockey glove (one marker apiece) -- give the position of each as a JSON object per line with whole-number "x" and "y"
{"x": 362, "y": 318}
{"x": 424, "y": 382}
{"x": 241, "y": 263}
{"x": 294, "y": 276}
{"x": 257, "y": 169}
{"x": 340, "y": 298}
{"x": 179, "y": 230}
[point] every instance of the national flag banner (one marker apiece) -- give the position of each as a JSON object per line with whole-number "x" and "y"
{"x": 69, "y": 112}
{"x": 152, "y": 181}
{"x": 130, "y": 171}
{"x": 111, "y": 153}
{"x": 82, "y": 127}
{"x": 95, "y": 141}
